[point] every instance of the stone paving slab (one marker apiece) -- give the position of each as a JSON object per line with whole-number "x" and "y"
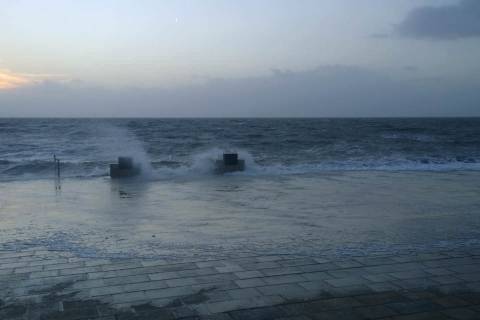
{"x": 42, "y": 284}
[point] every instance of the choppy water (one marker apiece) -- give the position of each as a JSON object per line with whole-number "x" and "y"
{"x": 312, "y": 187}
{"x": 177, "y": 147}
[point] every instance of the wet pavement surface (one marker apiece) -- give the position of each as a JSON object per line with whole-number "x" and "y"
{"x": 42, "y": 284}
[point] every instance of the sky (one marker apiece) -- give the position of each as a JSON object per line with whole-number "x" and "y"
{"x": 251, "y": 58}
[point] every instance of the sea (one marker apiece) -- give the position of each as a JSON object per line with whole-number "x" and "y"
{"x": 311, "y": 187}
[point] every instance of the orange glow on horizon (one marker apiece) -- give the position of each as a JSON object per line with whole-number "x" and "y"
{"x": 10, "y": 80}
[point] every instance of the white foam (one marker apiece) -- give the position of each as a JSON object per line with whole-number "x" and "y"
{"x": 119, "y": 142}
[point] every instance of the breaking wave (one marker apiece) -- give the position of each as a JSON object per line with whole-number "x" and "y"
{"x": 203, "y": 164}
{"x": 169, "y": 148}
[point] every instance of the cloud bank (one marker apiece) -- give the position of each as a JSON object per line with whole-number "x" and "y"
{"x": 444, "y": 22}
{"x": 328, "y": 91}
{"x": 10, "y": 80}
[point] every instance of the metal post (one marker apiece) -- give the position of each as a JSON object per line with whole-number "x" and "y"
{"x": 57, "y": 165}
{"x": 58, "y": 186}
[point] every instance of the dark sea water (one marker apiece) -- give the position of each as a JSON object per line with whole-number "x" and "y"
{"x": 176, "y": 147}
{"x": 312, "y": 187}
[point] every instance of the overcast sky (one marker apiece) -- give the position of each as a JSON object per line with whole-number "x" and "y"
{"x": 240, "y": 58}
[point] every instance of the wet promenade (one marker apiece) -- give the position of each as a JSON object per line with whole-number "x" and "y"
{"x": 41, "y": 284}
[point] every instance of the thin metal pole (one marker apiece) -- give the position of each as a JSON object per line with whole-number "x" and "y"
{"x": 57, "y": 165}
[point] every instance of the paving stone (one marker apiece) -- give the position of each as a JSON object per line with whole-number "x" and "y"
{"x": 80, "y": 270}
{"x": 348, "y": 264}
{"x": 446, "y": 279}
{"x": 28, "y": 269}
{"x": 420, "y": 283}
{"x": 164, "y": 275}
{"x": 347, "y": 273}
{"x": 287, "y": 290}
{"x": 332, "y": 304}
{"x": 476, "y": 308}
{"x": 374, "y": 261}
{"x": 126, "y": 280}
{"x": 180, "y": 282}
{"x": 6, "y": 272}
{"x": 344, "y": 282}
{"x": 317, "y": 287}
{"x": 230, "y": 305}
{"x": 294, "y": 318}
{"x": 421, "y": 294}
{"x": 222, "y": 285}
{"x": 260, "y": 265}
{"x": 312, "y": 276}
{"x": 438, "y": 271}
{"x": 248, "y": 274}
{"x": 383, "y": 287}
{"x": 410, "y": 274}
{"x": 297, "y": 262}
{"x": 257, "y": 314}
{"x": 183, "y": 312}
{"x": 462, "y": 314}
{"x": 14, "y": 265}
{"x": 108, "y": 290}
{"x": 121, "y": 266}
{"x": 216, "y": 295}
{"x": 244, "y": 293}
{"x": 229, "y": 268}
{"x": 269, "y": 258}
{"x": 87, "y": 284}
{"x": 321, "y": 260}
{"x": 374, "y": 312}
{"x": 469, "y": 276}
{"x": 214, "y": 263}
{"x": 218, "y": 316}
{"x": 378, "y": 277}
{"x": 150, "y": 285}
{"x": 63, "y": 266}
{"x": 96, "y": 262}
{"x": 350, "y": 291}
{"x": 471, "y": 297}
{"x": 414, "y": 306}
{"x": 253, "y": 282}
{"x": 215, "y": 278}
{"x": 292, "y": 278}
{"x": 281, "y": 271}
{"x": 390, "y": 268}
{"x": 455, "y": 288}
{"x": 346, "y": 314}
{"x": 172, "y": 267}
{"x": 450, "y": 302}
{"x": 44, "y": 274}
{"x": 196, "y": 272}
{"x": 462, "y": 268}
{"x": 435, "y": 315}
{"x": 318, "y": 267}
{"x": 474, "y": 286}
{"x": 381, "y": 298}
{"x": 129, "y": 297}
{"x": 170, "y": 292}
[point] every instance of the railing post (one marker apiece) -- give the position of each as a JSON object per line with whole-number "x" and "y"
{"x": 57, "y": 165}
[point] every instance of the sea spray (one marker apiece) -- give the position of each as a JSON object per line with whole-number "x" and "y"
{"x": 119, "y": 142}
{"x": 204, "y": 162}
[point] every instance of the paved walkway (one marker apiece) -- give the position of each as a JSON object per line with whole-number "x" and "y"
{"x": 40, "y": 284}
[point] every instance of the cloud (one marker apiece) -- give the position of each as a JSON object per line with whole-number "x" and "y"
{"x": 9, "y": 80}
{"x": 457, "y": 21}
{"x": 327, "y": 91}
